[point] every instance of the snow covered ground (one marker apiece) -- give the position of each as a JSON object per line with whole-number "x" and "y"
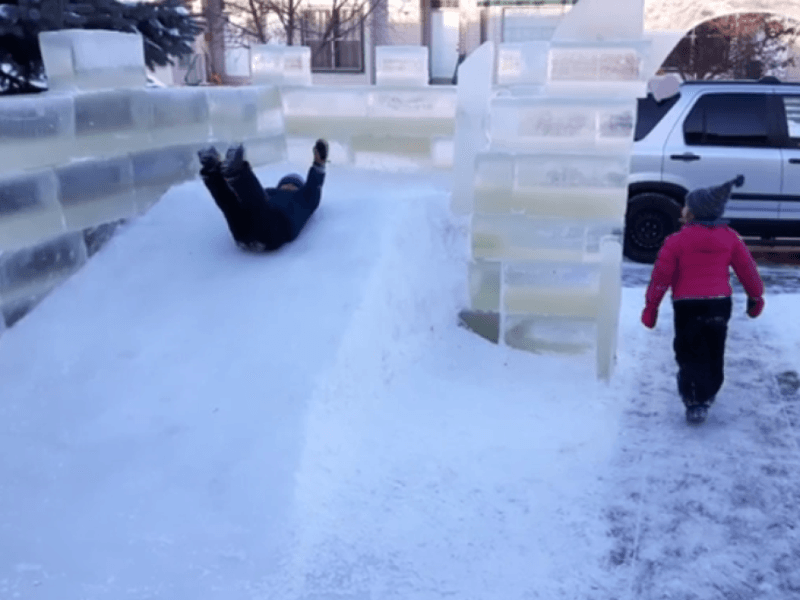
{"x": 182, "y": 420}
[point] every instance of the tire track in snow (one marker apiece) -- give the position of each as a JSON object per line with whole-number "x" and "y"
{"x": 709, "y": 512}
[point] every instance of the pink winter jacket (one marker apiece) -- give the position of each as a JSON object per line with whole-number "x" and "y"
{"x": 695, "y": 263}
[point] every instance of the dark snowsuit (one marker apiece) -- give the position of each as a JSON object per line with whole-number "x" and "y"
{"x": 263, "y": 219}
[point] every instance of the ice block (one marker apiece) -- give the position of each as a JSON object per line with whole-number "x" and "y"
{"x": 179, "y": 116}
{"x": 540, "y": 334}
{"x": 401, "y": 66}
{"x": 411, "y": 113}
{"x": 155, "y": 171}
{"x": 519, "y": 238}
{"x": 280, "y": 65}
{"x": 484, "y": 285}
{"x": 609, "y": 305}
{"x": 29, "y": 209}
{"x": 36, "y": 131}
{"x": 570, "y": 124}
{"x": 268, "y": 149}
{"x": 97, "y": 191}
{"x": 33, "y": 271}
{"x": 522, "y": 63}
{"x": 332, "y": 112}
{"x": 83, "y": 59}
{"x": 233, "y": 113}
{"x": 474, "y": 90}
{"x": 556, "y": 289}
{"x": 112, "y": 122}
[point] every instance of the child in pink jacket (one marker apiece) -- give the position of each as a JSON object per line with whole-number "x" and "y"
{"x": 695, "y": 262}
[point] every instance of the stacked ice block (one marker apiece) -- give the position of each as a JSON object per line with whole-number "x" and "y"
{"x": 99, "y": 147}
{"x": 550, "y": 189}
{"x": 280, "y": 65}
{"x": 401, "y": 117}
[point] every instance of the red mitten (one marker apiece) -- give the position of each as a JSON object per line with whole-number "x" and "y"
{"x": 650, "y": 315}
{"x": 755, "y": 306}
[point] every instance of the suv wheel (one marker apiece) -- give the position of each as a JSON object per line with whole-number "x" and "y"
{"x": 650, "y": 218}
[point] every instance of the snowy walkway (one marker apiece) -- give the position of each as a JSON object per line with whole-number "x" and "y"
{"x": 182, "y": 420}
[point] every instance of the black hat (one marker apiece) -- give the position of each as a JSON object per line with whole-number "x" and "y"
{"x": 294, "y": 178}
{"x": 708, "y": 204}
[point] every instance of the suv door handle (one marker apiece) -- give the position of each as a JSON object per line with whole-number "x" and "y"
{"x": 686, "y": 157}
{"x": 794, "y": 161}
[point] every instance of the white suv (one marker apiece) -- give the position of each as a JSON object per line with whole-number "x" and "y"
{"x": 705, "y": 135}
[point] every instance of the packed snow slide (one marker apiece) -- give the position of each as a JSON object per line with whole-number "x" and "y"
{"x": 152, "y": 407}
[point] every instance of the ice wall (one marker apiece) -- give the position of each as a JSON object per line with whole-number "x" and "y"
{"x": 99, "y": 147}
{"x": 401, "y": 120}
{"x": 549, "y": 186}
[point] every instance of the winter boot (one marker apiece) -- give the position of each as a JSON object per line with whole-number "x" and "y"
{"x": 696, "y": 413}
{"x": 209, "y": 158}
{"x": 234, "y": 161}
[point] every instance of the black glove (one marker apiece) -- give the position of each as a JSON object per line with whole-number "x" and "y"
{"x": 234, "y": 160}
{"x": 754, "y": 306}
{"x": 321, "y": 148}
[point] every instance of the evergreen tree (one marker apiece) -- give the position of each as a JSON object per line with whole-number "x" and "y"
{"x": 167, "y": 27}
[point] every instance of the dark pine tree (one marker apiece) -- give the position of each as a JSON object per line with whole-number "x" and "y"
{"x": 167, "y": 27}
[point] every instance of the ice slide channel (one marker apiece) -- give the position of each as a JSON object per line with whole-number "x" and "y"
{"x": 153, "y": 406}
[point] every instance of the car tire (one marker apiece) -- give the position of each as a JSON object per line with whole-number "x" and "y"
{"x": 650, "y": 218}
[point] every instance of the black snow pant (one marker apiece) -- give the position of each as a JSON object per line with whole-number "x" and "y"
{"x": 252, "y": 221}
{"x": 701, "y": 328}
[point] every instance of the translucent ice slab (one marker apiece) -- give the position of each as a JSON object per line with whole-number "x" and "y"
{"x": 555, "y": 289}
{"x": 36, "y": 131}
{"x": 571, "y": 185}
{"x": 484, "y": 285}
{"x": 233, "y": 113}
{"x": 92, "y": 59}
{"x": 179, "y": 116}
{"x": 520, "y": 238}
{"x": 29, "y": 209}
{"x": 475, "y": 76}
{"x": 155, "y": 171}
{"x": 401, "y": 112}
{"x": 267, "y": 150}
{"x": 522, "y": 63}
{"x": 540, "y": 334}
{"x": 615, "y": 69}
{"x": 33, "y": 271}
{"x": 339, "y": 112}
{"x": 609, "y": 305}
{"x": 95, "y": 192}
{"x": 401, "y": 65}
{"x": 562, "y": 123}
{"x": 112, "y": 122}
{"x": 280, "y": 65}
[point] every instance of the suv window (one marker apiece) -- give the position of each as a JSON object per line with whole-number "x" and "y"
{"x": 649, "y": 114}
{"x": 728, "y": 120}
{"x": 791, "y": 105}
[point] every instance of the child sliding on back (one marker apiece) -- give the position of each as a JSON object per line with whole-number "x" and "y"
{"x": 695, "y": 263}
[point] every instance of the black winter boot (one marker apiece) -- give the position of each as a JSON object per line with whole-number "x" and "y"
{"x": 234, "y": 161}
{"x": 209, "y": 158}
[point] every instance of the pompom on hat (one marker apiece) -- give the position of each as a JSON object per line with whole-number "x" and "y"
{"x": 708, "y": 204}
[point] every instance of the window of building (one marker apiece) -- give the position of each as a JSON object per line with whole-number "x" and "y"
{"x": 336, "y": 39}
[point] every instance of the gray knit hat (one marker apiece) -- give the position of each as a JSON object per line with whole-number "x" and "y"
{"x": 708, "y": 204}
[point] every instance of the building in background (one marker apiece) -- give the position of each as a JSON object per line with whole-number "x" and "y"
{"x": 450, "y": 29}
